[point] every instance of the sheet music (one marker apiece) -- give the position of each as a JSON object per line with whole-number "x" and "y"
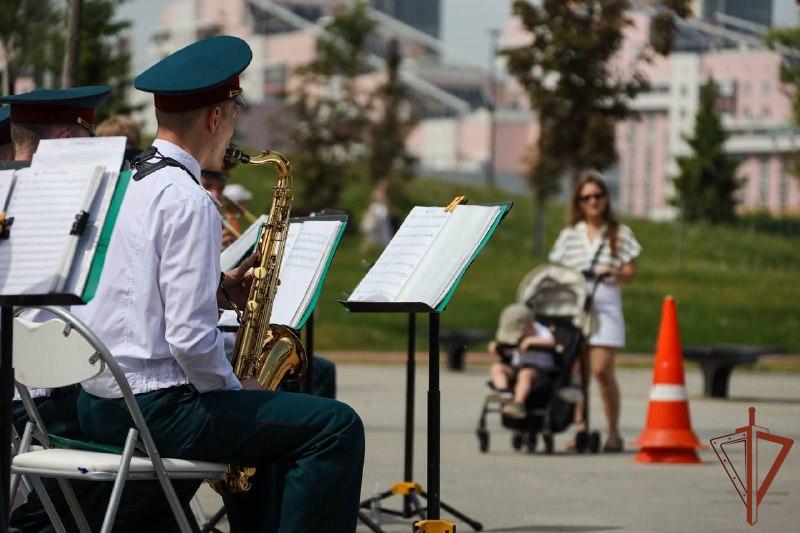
{"x": 6, "y": 185}
{"x": 391, "y": 272}
{"x": 238, "y": 249}
{"x": 306, "y": 248}
{"x": 449, "y": 254}
{"x": 105, "y": 152}
{"x": 44, "y": 203}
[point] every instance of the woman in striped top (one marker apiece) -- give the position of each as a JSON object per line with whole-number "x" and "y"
{"x": 605, "y": 251}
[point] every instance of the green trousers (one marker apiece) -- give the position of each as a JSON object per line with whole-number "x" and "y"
{"x": 309, "y": 451}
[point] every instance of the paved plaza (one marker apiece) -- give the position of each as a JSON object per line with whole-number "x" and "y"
{"x": 512, "y": 491}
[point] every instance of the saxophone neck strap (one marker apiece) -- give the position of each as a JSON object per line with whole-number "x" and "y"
{"x": 144, "y": 167}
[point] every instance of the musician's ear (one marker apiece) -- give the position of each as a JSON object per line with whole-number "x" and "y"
{"x": 214, "y": 118}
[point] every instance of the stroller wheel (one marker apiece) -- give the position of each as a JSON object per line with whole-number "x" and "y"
{"x": 581, "y": 442}
{"x": 549, "y": 444}
{"x": 483, "y": 440}
{"x": 516, "y": 440}
{"x": 531, "y": 441}
{"x": 594, "y": 441}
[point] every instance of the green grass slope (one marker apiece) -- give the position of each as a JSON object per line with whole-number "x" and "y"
{"x": 730, "y": 285}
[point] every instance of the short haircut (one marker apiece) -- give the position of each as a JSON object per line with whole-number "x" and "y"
{"x": 121, "y": 125}
{"x": 26, "y": 135}
{"x": 184, "y": 121}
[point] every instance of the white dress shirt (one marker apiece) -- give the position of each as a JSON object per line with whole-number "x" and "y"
{"x": 156, "y": 306}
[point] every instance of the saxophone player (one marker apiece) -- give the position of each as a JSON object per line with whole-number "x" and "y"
{"x": 156, "y": 310}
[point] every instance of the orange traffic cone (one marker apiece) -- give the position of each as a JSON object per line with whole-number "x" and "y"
{"x": 668, "y": 435}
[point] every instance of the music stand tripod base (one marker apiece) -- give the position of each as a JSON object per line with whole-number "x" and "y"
{"x": 410, "y": 490}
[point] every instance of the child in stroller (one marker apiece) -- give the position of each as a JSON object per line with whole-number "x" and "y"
{"x": 524, "y": 348}
{"x": 556, "y": 299}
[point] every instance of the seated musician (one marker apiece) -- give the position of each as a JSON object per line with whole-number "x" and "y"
{"x": 156, "y": 310}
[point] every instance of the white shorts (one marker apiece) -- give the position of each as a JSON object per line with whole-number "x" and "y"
{"x": 607, "y": 305}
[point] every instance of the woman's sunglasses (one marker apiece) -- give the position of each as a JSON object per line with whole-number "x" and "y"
{"x": 596, "y": 196}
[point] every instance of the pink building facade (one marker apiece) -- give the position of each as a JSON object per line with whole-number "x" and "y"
{"x": 755, "y": 107}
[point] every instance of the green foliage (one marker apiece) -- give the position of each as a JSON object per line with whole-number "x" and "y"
{"x": 577, "y": 94}
{"x": 790, "y": 75}
{"x": 104, "y": 56}
{"x": 32, "y": 35}
{"x": 386, "y": 136}
{"x": 30, "y": 38}
{"x": 733, "y": 286}
{"x": 707, "y": 182}
{"x": 328, "y": 110}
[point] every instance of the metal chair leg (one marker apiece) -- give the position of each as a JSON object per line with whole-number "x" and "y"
{"x": 47, "y": 503}
{"x": 119, "y": 483}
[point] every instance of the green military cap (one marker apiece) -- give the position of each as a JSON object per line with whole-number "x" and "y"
{"x": 47, "y": 106}
{"x": 5, "y": 125}
{"x": 201, "y": 74}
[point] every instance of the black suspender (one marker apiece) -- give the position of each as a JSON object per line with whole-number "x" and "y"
{"x": 144, "y": 168}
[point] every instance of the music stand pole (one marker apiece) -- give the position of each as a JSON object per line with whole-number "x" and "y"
{"x": 408, "y": 461}
{"x": 434, "y": 420}
{"x": 7, "y": 391}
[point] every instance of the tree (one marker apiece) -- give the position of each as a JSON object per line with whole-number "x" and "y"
{"x": 790, "y": 75}
{"x": 69, "y": 72}
{"x": 707, "y": 182}
{"x": 386, "y": 135}
{"x": 30, "y": 40}
{"x": 104, "y": 57}
{"x": 329, "y": 110}
{"x": 577, "y": 95}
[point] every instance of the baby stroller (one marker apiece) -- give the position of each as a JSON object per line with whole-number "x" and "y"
{"x": 559, "y": 299}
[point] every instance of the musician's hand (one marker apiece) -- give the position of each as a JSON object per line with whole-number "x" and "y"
{"x": 251, "y": 384}
{"x": 237, "y": 283}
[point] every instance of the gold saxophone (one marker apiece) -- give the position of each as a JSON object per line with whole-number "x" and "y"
{"x": 264, "y": 351}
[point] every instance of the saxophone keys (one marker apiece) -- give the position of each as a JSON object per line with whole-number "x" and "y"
{"x": 252, "y": 306}
{"x": 260, "y": 272}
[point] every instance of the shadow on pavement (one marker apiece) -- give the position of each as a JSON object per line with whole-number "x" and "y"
{"x": 523, "y": 529}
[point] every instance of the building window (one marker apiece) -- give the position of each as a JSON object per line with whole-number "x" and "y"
{"x": 765, "y": 112}
{"x": 763, "y": 181}
{"x": 274, "y": 80}
{"x": 746, "y": 112}
{"x": 746, "y": 88}
{"x": 766, "y": 87}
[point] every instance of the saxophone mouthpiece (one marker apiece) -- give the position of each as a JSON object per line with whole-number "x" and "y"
{"x": 234, "y": 154}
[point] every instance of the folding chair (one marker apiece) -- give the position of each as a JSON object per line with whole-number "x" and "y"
{"x": 61, "y": 352}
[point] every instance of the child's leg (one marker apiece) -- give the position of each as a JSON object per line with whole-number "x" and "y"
{"x": 500, "y": 375}
{"x": 525, "y": 378}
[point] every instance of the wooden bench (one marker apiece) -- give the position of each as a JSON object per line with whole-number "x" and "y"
{"x": 457, "y": 342}
{"x": 717, "y": 361}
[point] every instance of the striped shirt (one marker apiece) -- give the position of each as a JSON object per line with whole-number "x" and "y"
{"x": 573, "y": 249}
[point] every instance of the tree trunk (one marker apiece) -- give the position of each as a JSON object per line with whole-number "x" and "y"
{"x": 539, "y": 206}
{"x": 70, "y": 70}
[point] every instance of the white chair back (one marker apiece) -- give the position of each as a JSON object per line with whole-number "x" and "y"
{"x": 52, "y": 354}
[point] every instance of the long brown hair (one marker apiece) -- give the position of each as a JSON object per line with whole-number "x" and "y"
{"x": 576, "y": 214}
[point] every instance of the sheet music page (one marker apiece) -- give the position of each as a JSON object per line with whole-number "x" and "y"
{"x": 238, "y": 249}
{"x": 105, "y": 152}
{"x": 44, "y": 204}
{"x": 87, "y": 245}
{"x": 391, "y": 272}
{"x": 6, "y": 183}
{"x": 449, "y": 253}
{"x": 307, "y": 247}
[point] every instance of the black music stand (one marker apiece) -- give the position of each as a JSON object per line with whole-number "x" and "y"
{"x": 409, "y": 489}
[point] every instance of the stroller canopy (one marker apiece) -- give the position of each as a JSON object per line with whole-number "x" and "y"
{"x": 554, "y": 290}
